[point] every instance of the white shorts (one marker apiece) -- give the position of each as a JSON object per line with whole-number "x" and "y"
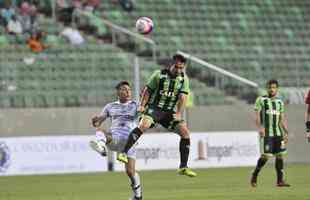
{"x": 118, "y": 144}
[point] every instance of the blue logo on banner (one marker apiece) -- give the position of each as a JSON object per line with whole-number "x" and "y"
{"x": 4, "y": 157}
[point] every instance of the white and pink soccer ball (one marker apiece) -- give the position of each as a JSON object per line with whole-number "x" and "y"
{"x": 144, "y": 25}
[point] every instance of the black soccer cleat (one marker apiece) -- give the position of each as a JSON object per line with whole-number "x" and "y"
{"x": 283, "y": 184}
{"x": 136, "y": 198}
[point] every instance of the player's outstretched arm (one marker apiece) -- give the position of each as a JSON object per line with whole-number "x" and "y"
{"x": 180, "y": 105}
{"x": 145, "y": 96}
{"x": 96, "y": 121}
{"x": 151, "y": 85}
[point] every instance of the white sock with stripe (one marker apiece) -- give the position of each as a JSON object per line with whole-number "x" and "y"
{"x": 136, "y": 185}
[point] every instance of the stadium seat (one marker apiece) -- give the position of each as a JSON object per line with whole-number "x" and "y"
{"x": 257, "y": 41}
{"x": 244, "y": 27}
{"x": 3, "y": 40}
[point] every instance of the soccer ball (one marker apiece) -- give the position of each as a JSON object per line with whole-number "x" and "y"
{"x": 144, "y": 25}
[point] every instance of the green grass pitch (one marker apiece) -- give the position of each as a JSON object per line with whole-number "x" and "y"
{"x": 213, "y": 184}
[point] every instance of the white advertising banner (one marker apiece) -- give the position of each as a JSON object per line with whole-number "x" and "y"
{"x": 224, "y": 149}
{"x": 211, "y": 149}
{"x": 155, "y": 151}
{"x": 72, "y": 154}
{"x": 46, "y": 155}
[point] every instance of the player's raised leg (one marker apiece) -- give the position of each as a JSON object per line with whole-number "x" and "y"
{"x": 99, "y": 144}
{"x": 135, "y": 134}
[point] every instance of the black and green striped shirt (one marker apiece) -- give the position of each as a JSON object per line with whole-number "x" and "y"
{"x": 165, "y": 89}
{"x": 270, "y": 111}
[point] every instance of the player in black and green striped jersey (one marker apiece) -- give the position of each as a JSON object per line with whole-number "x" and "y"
{"x": 273, "y": 131}
{"x": 163, "y": 100}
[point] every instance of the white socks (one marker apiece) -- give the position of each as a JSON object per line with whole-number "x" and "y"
{"x": 136, "y": 185}
{"x": 101, "y": 136}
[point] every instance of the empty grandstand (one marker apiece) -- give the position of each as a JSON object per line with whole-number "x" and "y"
{"x": 256, "y": 40}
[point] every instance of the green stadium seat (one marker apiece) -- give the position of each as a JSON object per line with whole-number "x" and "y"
{"x": 258, "y": 41}
{"x": 52, "y": 39}
{"x": 3, "y": 40}
{"x": 5, "y": 101}
{"x": 116, "y": 16}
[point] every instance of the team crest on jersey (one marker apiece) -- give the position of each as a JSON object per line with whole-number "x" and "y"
{"x": 5, "y": 157}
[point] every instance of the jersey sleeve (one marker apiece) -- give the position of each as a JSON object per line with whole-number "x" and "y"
{"x": 307, "y": 98}
{"x": 282, "y": 107}
{"x": 258, "y": 104}
{"x": 185, "y": 86}
{"x": 153, "y": 80}
{"x": 105, "y": 111}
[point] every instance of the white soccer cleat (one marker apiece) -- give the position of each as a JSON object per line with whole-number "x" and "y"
{"x": 137, "y": 192}
{"x": 99, "y": 146}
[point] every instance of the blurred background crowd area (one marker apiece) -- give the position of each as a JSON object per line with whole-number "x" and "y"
{"x": 64, "y": 53}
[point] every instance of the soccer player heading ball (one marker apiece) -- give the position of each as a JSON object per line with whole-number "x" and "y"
{"x": 163, "y": 101}
{"x": 273, "y": 131}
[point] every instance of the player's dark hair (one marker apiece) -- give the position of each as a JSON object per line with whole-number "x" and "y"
{"x": 179, "y": 57}
{"x": 272, "y": 81}
{"x": 120, "y": 84}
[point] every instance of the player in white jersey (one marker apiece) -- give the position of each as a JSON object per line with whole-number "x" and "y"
{"x": 123, "y": 115}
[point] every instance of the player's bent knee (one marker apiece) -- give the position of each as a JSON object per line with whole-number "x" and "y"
{"x": 144, "y": 125}
{"x": 279, "y": 156}
{"x": 265, "y": 156}
{"x": 183, "y": 130}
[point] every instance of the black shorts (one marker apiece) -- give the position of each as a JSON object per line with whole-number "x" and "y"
{"x": 273, "y": 145}
{"x": 164, "y": 118}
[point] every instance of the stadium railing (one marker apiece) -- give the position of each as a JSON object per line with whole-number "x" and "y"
{"x": 119, "y": 31}
{"x": 231, "y": 83}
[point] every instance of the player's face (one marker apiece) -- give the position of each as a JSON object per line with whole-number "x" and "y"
{"x": 177, "y": 68}
{"x": 124, "y": 93}
{"x": 272, "y": 90}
